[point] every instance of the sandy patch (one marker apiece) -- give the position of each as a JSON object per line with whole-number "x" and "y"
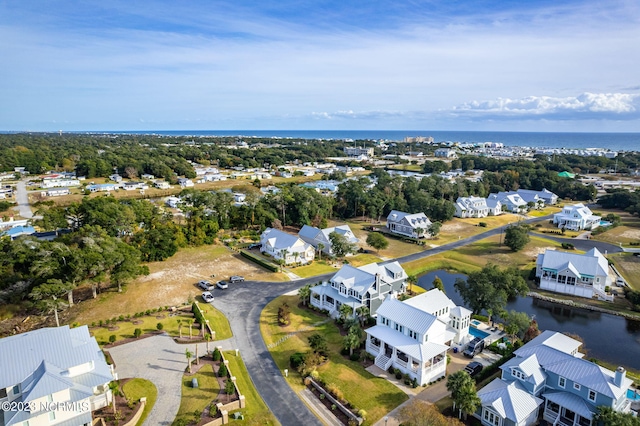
{"x": 452, "y": 227}
{"x": 632, "y": 234}
{"x": 535, "y": 251}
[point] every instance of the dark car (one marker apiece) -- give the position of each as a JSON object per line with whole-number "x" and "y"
{"x": 473, "y": 368}
{"x": 474, "y": 347}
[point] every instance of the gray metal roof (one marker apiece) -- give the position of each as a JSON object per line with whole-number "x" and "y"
{"x": 572, "y": 402}
{"x": 415, "y": 220}
{"x": 529, "y": 366}
{"x": 419, "y": 351}
{"x": 509, "y": 400}
{"x": 591, "y": 263}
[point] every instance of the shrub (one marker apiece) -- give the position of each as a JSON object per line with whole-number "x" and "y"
{"x": 322, "y": 396}
{"x": 197, "y": 313}
{"x": 296, "y": 360}
{"x": 93, "y": 324}
{"x": 222, "y": 372}
{"x": 333, "y": 407}
{"x": 137, "y": 332}
{"x": 216, "y": 355}
{"x": 482, "y": 224}
{"x": 398, "y": 375}
{"x": 354, "y": 356}
{"x": 414, "y": 383}
{"x": 100, "y": 323}
{"x": 265, "y": 264}
{"x": 112, "y": 338}
{"x": 362, "y": 413}
{"x": 335, "y": 391}
{"x": 159, "y": 326}
{"x": 121, "y": 318}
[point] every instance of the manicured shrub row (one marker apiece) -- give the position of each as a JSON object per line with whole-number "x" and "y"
{"x": 268, "y": 265}
{"x": 198, "y": 314}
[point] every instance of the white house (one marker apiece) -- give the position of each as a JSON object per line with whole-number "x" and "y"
{"x": 584, "y": 275}
{"x": 545, "y": 195}
{"x": 494, "y": 205}
{"x": 56, "y": 192}
{"x": 161, "y": 184}
{"x": 290, "y": 248}
{"x": 172, "y": 202}
{"x": 50, "y": 368}
{"x": 58, "y": 183}
{"x": 411, "y": 225}
{"x": 576, "y": 217}
{"x": 549, "y": 375}
{"x": 414, "y": 336}
{"x": 185, "y": 183}
{"x": 132, "y": 186}
{"x": 513, "y": 202}
{"x": 471, "y": 207}
{"x": 315, "y": 236}
{"x": 445, "y": 153}
{"x": 367, "y": 286}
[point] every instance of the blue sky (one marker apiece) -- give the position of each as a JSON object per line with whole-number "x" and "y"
{"x": 292, "y": 64}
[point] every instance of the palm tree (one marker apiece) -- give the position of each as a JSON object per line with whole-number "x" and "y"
{"x": 180, "y": 327}
{"x": 320, "y": 248}
{"x": 363, "y": 314}
{"x": 115, "y": 391}
{"x": 351, "y": 341}
{"x": 303, "y": 293}
{"x": 284, "y": 253}
{"x": 463, "y": 392}
{"x": 295, "y": 257}
{"x": 188, "y": 354}
{"x": 190, "y": 322}
{"x": 412, "y": 279}
{"x": 345, "y": 311}
{"x": 208, "y": 339}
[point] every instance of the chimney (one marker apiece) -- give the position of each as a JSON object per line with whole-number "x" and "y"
{"x": 618, "y": 379}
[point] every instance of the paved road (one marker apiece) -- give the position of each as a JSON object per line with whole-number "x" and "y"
{"x": 242, "y": 304}
{"x": 23, "y": 200}
{"x": 160, "y": 360}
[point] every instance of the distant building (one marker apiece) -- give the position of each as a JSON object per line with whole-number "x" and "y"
{"x": 56, "y": 192}
{"x": 471, "y": 207}
{"x": 445, "y": 153}
{"x": 358, "y": 152}
{"x": 289, "y": 248}
{"x": 511, "y": 201}
{"x": 315, "y": 236}
{"x": 410, "y": 225}
{"x": 185, "y": 183}
{"x": 545, "y": 195}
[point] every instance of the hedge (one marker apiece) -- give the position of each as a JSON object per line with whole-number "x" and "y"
{"x": 264, "y": 263}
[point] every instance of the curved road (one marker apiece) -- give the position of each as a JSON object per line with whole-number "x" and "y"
{"x": 242, "y": 304}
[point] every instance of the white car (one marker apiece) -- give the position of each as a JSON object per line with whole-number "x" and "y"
{"x": 207, "y": 296}
{"x": 222, "y": 285}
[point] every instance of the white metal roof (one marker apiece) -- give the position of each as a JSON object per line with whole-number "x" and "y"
{"x": 572, "y": 402}
{"x": 408, "y": 316}
{"x": 591, "y": 263}
{"x": 431, "y": 301}
{"x": 509, "y": 400}
{"x": 420, "y": 351}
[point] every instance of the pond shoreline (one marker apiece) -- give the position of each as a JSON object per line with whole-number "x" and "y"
{"x": 573, "y": 304}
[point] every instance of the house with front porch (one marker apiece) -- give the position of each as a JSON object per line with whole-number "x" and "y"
{"x": 289, "y": 248}
{"x": 511, "y": 201}
{"x": 415, "y": 335}
{"x": 576, "y": 217}
{"x": 316, "y": 236}
{"x": 584, "y": 275}
{"x": 549, "y": 377}
{"x": 471, "y": 207}
{"x": 410, "y": 225}
{"x": 547, "y": 197}
{"x": 367, "y": 285}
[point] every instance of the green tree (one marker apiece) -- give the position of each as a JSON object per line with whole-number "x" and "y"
{"x": 137, "y": 333}
{"x": 346, "y": 311}
{"x": 516, "y": 237}
{"x": 363, "y": 314}
{"x": 490, "y": 288}
{"x": 463, "y": 392}
{"x": 434, "y": 229}
{"x": 320, "y": 248}
{"x": 48, "y": 295}
{"x": 420, "y": 413}
{"x": 304, "y": 293}
{"x": 340, "y": 245}
{"x": 229, "y": 388}
{"x": 188, "y": 354}
{"x": 377, "y": 241}
{"x": 352, "y": 340}
{"x": 516, "y": 323}
{"x": 437, "y": 283}
{"x": 607, "y": 416}
{"x": 318, "y": 344}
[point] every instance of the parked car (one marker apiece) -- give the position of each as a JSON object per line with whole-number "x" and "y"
{"x": 236, "y": 279}
{"x": 205, "y": 285}
{"x": 254, "y": 245}
{"x": 473, "y": 368}
{"x": 207, "y": 296}
{"x": 474, "y": 347}
{"x": 222, "y": 285}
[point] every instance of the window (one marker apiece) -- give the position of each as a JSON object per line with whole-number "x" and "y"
{"x": 491, "y": 417}
{"x": 3, "y": 393}
{"x": 592, "y": 395}
{"x": 576, "y": 386}
{"x": 16, "y": 389}
{"x": 561, "y": 382}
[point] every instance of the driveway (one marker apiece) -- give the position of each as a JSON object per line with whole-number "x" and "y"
{"x": 161, "y": 361}
{"x": 23, "y": 199}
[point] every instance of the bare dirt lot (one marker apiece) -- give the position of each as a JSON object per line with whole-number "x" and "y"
{"x": 172, "y": 282}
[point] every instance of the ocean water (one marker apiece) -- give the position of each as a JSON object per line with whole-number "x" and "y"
{"x": 612, "y": 141}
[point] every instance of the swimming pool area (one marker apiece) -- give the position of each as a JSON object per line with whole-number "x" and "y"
{"x": 633, "y": 395}
{"x": 478, "y": 333}
{"x": 475, "y": 322}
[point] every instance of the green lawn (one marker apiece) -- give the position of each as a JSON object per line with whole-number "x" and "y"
{"x": 256, "y": 411}
{"x": 196, "y": 400}
{"x": 126, "y": 328}
{"x": 363, "y": 259}
{"x": 629, "y": 266}
{"x": 381, "y": 396}
{"x": 137, "y": 388}
{"x": 316, "y": 268}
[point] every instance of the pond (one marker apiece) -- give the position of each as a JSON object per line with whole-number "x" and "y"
{"x": 608, "y": 337}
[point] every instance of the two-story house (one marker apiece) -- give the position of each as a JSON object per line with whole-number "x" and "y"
{"x": 471, "y": 207}
{"x": 315, "y": 236}
{"x": 50, "y": 368}
{"x": 547, "y": 197}
{"x": 410, "y": 225}
{"x": 289, "y": 248}
{"x": 511, "y": 201}
{"x": 576, "y": 217}
{"x": 414, "y": 335}
{"x": 584, "y": 275}
{"x": 366, "y": 285}
{"x": 550, "y": 374}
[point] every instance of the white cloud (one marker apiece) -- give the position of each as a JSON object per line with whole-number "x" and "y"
{"x": 585, "y": 106}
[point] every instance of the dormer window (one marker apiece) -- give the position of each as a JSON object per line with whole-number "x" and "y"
{"x": 16, "y": 389}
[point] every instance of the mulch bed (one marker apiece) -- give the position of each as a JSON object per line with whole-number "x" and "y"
{"x": 342, "y": 417}
{"x": 125, "y": 412}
